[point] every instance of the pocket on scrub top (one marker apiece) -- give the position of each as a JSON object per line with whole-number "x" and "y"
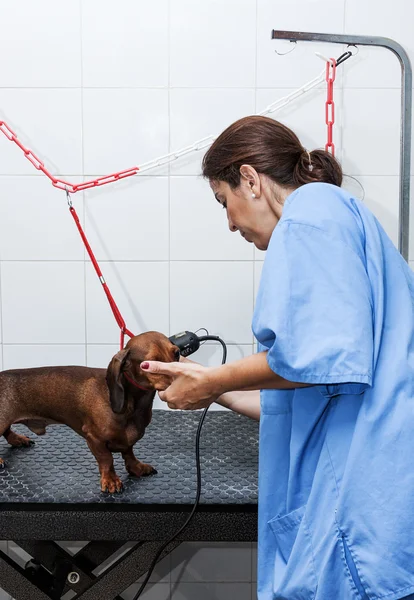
{"x": 349, "y": 559}
{"x": 294, "y": 573}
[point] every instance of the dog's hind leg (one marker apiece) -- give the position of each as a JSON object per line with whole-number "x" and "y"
{"x": 136, "y": 467}
{"x": 17, "y": 440}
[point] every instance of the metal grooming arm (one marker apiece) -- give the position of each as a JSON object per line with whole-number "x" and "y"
{"x": 406, "y": 111}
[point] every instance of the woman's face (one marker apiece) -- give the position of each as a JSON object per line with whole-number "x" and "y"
{"x": 254, "y": 217}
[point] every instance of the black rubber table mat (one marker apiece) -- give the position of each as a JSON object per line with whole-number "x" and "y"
{"x": 59, "y": 468}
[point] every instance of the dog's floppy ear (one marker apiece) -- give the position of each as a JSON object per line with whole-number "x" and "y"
{"x": 115, "y": 381}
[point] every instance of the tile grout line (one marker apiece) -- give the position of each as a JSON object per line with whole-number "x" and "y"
{"x": 342, "y": 92}
{"x": 178, "y": 87}
{"x": 255, "y": 110}
{"x": 145, "y": 261}
{"x": 83, "y": 194}
{"x": 256, "y": 55}
{"x": 110, "y": 344}
{"x": 182, "y": 175}
{"x": 169, "y": 8}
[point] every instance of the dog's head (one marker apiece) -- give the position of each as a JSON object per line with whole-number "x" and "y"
{"x": 124, "y": 369}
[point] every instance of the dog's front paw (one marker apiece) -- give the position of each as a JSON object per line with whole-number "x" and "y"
{"x": 111, "y": 483}
{"x": 3, "y": 465}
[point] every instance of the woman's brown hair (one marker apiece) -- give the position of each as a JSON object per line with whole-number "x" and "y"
{"x": 273, "y": 150}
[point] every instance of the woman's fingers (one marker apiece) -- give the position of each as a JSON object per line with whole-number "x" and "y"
{"x": 156, "y": 366}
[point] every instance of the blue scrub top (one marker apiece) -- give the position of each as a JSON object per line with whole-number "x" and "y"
{"x": 336, "y": 474}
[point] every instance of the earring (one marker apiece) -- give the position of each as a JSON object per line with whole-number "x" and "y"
{"x": 253, "y": 195}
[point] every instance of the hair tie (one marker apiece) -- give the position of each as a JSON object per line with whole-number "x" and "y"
{"x": 310, "y": 166}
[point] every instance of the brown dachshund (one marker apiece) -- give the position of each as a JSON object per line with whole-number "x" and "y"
{"x": 109, "y": 408}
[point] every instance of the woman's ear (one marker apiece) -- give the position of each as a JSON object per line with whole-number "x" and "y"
{"x": 251, "y": 178}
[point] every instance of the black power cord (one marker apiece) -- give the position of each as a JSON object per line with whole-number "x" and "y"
{"x": 188, "y": 343}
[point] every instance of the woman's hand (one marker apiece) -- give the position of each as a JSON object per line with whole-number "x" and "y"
{"x": 191, "y": 387}
{"x": 194, "y": 386}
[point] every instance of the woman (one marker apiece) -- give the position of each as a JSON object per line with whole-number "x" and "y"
{"x": 335, "y": 366}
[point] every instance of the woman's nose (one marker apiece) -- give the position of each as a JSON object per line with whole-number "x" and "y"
{"x": 232, "y": 226}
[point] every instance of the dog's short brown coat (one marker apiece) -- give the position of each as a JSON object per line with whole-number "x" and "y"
{"x": 109, "y": 408}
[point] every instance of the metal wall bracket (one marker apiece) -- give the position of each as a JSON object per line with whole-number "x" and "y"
{"x": 406, "y": 111}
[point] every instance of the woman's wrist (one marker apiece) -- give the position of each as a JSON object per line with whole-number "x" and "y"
{"x": 218, "y": 381}
{"x": 249, "y": 373}
{"x": 246, "y": 373}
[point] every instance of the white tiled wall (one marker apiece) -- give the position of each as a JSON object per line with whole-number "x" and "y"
{"x": 94, "y": 86}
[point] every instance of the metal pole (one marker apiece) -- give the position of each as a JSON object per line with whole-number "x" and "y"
{"x": 406, "y": 111}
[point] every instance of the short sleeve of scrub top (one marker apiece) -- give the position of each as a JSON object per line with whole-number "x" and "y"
{"x": 314, "y": 308}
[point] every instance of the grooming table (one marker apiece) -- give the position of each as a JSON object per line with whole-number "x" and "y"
{"x": 51, "y": 492}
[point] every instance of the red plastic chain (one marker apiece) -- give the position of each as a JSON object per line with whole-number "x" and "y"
{"x": 118, "y": 317}
{"x": 72, "y": 188}
{"x": 60, "y": 183}
{"x": 330, "y": 104}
